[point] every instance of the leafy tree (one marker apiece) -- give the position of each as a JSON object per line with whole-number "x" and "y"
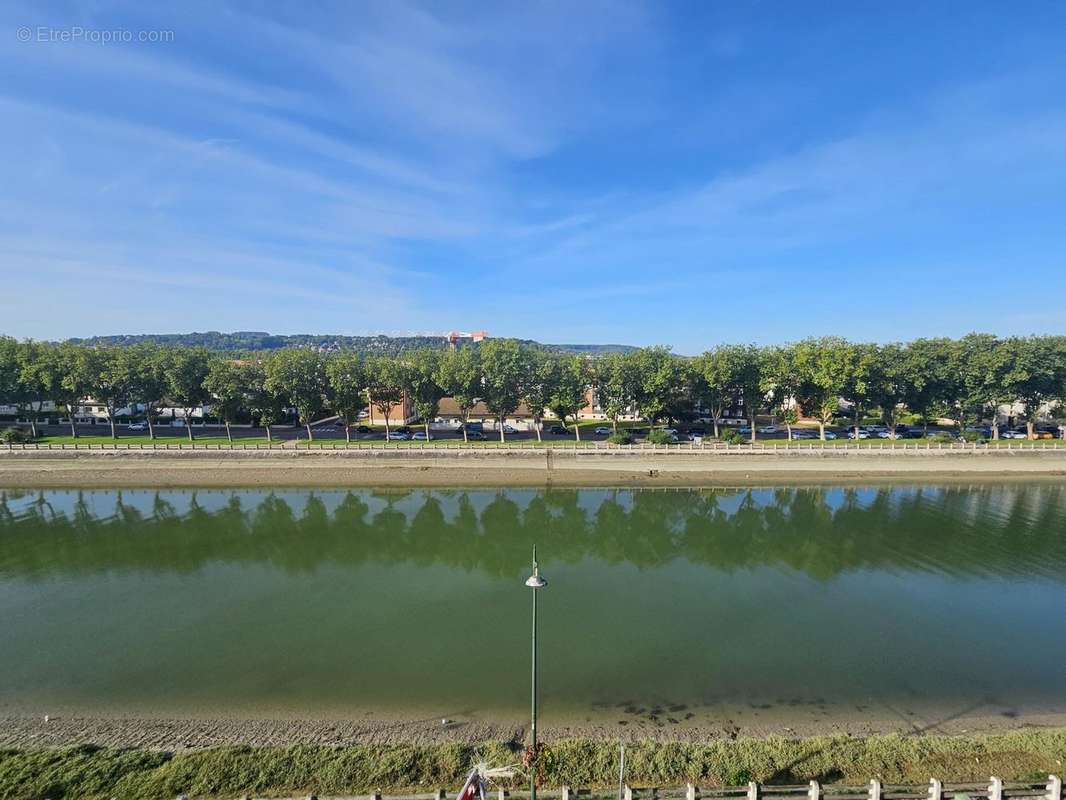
{"x": 109, "y": 379}
{"x": 718, "y": 370}
{"x": 570, "y": 393}
{"x": 781, "y": 382}
{"x": 299, "y": 376}
{"x": 858, "y": 388}
{"x": 539, "y": 385}
{"x": 658, "y": 379}
{"x": 504, "y": 366}
{"x": 73, "y": 384}
{"x": 9, "y": 371}
{"x": 149, "y": 379}
{"x": 386, "y": 378}
{"x": 37, "y": 380}
{"x": 227, "y": 381}
{"x": 985, "y": 364}
{"x": 423, "y": 384}
{"x": 266, "y": 405}
{"x": 825, "y": 366}
{"x": 617, "y": 385}
{"x": 346, "y": 388}
{"x": 750, "y": 383}
{"x": 459, "y": 374}
{"x": 185, "y": 371}
{"x": 1035, "y": 376}
{"x": 889, "y": 383}
{"x": 932, "y": 377}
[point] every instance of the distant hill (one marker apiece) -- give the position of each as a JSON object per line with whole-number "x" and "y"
{"x": 258, "y": 340}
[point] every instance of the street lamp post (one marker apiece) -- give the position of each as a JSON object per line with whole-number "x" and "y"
{"x": 534, "y": 582}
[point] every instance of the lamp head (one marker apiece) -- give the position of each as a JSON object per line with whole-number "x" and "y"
{"x": 535, "y": 581}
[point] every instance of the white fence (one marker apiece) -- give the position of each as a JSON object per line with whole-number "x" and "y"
{"x": 557, "y": 448}
{"x": 994, "y": 789}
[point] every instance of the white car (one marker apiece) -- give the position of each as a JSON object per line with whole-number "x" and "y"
{"x": 830, "y": 435}
{"x": 884, "y": 434}
{"x": 419, "y": 436}
{"x": 1013, "y": 435}
{"x": 602, "y": 431}
{"x": 398, "y": 437}
{"x": 509, "y": 429}
{"x": 801, "y": 434}
{"x": 862, "y": 434}
{"x": 137, "y": 426}
{"x": 768, "y": 429}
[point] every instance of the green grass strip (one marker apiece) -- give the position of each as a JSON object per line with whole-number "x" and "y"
{"x": 89, "y": 772}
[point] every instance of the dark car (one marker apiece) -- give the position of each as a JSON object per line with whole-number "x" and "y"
{"x": 403, "y": 429}
{"x": 362, "y": 429}
{"x": 476, "y": 436}
{"x": 558, "y": 430}
{"x": 911, "y": 433}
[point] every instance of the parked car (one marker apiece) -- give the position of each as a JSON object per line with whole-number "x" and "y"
{"x": 745, "y": 430}
{"x": 1014, "y": 435}
{"x": 398, "y": 436}
{"x": 508, "y": 429}
{"x": 476, "y": 436}
{"x": 137, "y": 426}
{"x": 558, "y": 430}
{"x": 941, "y": 434}
{"x": 861, "y": 434}
{"x": 362, "y": 429}
{"x": 670, "y": 431}
{"x": 884, "y": 434}
{"x": 769, "y": 429}
{"x": 602, "y": 431}
{"x": 830, "y": 435}
{"x": 802, "y": 434}
{"x": 420, "y": 436}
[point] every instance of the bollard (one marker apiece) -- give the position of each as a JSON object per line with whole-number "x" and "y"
{"x": 690, "y": 791}
{"x": 503, "y": 794}
{"x": 814, "y": 791}
{"x": 564, "y": 793}
{"x": 875, "y": 790}
{"x": 375, "y": 796}
{"x": 1054, "y": 788}
{"x": 936, "y": 789}
{"x": 440, "y": 794}
{"x": 995, "y": 788}
{"x": 628, "y": 793}
{"x": 753, "y": 790}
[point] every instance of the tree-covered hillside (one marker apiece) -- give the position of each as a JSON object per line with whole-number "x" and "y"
{"x": 243, "y": 341}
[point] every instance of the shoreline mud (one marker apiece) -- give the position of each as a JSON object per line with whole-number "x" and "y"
{"x": 118, "y": 469}
{"x": 22, "y": 729}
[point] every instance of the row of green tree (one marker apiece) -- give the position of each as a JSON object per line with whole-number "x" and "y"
{"x": 964, "y": 379}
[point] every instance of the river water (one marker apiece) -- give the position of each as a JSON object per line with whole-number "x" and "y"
{"x": 661, "y": 604}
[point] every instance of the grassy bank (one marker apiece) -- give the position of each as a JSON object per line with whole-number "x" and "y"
{"x": 86, "y": 772}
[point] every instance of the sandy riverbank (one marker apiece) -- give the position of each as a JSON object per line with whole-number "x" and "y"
{"x": 180, "y": 733}
{"x": 472, "y": 468}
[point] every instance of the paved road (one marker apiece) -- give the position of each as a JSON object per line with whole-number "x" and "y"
{"x": 330, "y": 431}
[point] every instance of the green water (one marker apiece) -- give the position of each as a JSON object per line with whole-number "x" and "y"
{"x": 335, "y": 603}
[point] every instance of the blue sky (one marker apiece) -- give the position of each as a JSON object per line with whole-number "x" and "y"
{"x": 675, "y": 173}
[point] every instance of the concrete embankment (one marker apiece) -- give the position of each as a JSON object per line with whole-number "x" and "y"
{"x": 518, "y": 467}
